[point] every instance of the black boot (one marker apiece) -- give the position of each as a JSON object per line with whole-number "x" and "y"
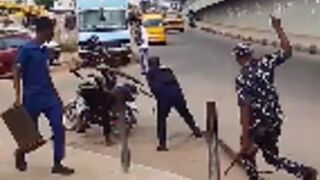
{"x": 197, "y": 132}
{"x": 62, "y": 170}
{"x": 109, "y": 141}
{"x": 20, "y": 161}
{"x": 162, "y": 147}
{"x": 310, "y": 174}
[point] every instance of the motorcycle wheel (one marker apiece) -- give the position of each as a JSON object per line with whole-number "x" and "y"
{"x": 83, "y": 123}
{"x": 70, "y": 119}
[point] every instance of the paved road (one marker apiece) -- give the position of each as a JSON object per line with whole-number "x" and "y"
{"x": 204, "y": 66}
{"x": 187, "y": 156}
{"x": 206, "y": 69}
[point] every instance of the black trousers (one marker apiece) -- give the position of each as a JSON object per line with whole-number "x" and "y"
{"x": 267, "y": 143}
{"x": 106, "y": 123}
{"x": 164, "y": 106}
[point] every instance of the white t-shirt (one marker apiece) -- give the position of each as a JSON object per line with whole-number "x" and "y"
{"x": 145, "y": 39}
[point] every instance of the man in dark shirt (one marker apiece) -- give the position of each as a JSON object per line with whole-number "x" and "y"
{"x": 260, "y": 111}
{"x": 167, "y": 91}
{"x": 39, "y": 93}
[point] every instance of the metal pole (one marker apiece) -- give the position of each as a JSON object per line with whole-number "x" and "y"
{"x": 213, "y": 142}
{"x": 124, "y": 130}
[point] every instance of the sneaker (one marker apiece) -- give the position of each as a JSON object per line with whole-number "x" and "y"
{"x": 162, "y": 148}
{"x": 20, "y": 161}
{"x": 310, "y": 174}
{"x": 62, "y": 170}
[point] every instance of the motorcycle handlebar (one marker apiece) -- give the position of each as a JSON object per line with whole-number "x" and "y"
{"x": 146, "y": 93}
{"x": 76, "y": 73}
{"x": 121, "y": 74}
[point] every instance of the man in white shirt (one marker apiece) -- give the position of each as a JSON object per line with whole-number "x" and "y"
{"x": 143, "y": 44}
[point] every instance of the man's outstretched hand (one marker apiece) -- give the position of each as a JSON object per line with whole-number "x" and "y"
{"x": 276, "y": 23}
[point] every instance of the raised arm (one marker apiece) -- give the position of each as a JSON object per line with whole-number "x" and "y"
{"x": 284, "y": 41}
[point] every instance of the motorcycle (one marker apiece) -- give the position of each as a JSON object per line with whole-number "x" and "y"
{"x": 97, "y": 95}
{"x": 93, "y": 53}
{"x": 83, "y": 112}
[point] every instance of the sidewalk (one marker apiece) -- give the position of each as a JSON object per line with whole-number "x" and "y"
{"x": 92, "y": 160}
{"x": 86, "y": 164}
{"x": 302, "y": 43}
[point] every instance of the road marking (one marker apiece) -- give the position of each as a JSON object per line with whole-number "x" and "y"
{"x": 144, "y": 167}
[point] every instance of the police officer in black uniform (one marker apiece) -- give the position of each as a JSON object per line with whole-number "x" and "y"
{"x": 167, "y": 91}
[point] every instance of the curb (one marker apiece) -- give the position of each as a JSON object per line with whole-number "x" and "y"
{"x": 137, "y": 165}
{"x": 312, "y": 49}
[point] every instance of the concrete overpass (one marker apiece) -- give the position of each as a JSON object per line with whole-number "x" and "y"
{"x": 300, "y": 17}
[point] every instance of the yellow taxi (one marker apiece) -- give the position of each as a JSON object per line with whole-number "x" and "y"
{"x": 153, "y": 23}
{"x": 174, "y": 21}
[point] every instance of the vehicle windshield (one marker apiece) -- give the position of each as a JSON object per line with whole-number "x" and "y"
{"x": 113, "y": 20}
{"x": 172, "y": 16}
{"x": 13, "y": 42}
{"x": 153, "y": 23}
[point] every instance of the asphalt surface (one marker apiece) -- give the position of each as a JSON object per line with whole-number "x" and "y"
{"x": 206, "y": 69}
{"x": 187, "y": 157}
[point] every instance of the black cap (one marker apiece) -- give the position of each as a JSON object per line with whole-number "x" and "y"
{"x": 44, "y": 23}
{"x": 154, "y": 61}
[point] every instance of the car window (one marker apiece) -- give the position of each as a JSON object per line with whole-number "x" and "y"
{"x": 152, "y": 23}
{"x": 14, "y": 42}
{"x": 171, "y": 16}
{"x": 2, "y": 45}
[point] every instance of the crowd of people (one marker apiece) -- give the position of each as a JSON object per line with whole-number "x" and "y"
{"x": 260, "y": 111}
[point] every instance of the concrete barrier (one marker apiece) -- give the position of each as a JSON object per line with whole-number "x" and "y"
{"x": 274, "y": 43}
{"x": 232, "y": 33}
{"x": 313, "y": 49}
{"x": 264, "y": 42}
{"x": 250, "y": 39}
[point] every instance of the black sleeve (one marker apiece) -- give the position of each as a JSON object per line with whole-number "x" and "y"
{"x": 168, "y": 76}
{"x": 152, "y": 82}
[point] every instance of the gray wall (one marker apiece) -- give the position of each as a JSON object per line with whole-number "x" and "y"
{"x": 299, "y": 16}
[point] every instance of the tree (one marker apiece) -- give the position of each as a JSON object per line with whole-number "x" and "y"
{"x": 47, "y": 3}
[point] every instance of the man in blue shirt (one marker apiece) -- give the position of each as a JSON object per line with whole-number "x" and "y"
{"x": 167, "y": 91}
{"x": 38, "y": 92}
